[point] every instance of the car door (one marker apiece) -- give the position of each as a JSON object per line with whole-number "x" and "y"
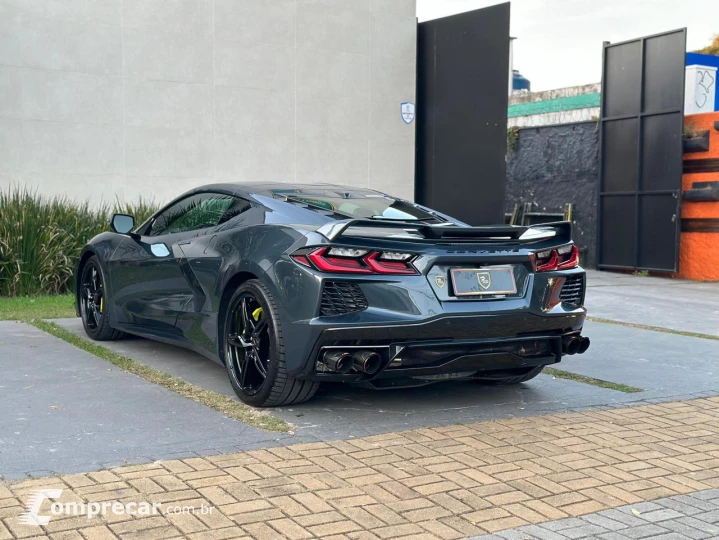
{"x": 151, "y": 280}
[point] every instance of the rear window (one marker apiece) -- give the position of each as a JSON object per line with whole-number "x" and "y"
{"x": 358, "y": 204}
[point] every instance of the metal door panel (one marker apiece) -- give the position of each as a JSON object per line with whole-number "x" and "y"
{"x": 620, "y": 139}
{"x": 461, "y": 138}
{"x": 620, "y": 225}
{"x": 641, "y": 153}
{"x": 653, "y": 210}
{"x": 661, "y": 152}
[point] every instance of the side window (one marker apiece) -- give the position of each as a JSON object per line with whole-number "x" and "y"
{"x": 197, "y": 212}
{"x": 237, "y": 207}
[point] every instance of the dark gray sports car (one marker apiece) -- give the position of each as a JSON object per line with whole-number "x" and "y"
{"x": 289, "y": 286}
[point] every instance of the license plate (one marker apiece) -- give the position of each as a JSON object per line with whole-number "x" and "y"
{"x": 481, "y": 281}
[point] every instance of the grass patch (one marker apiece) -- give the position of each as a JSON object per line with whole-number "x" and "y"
{"x": 41, "y": 238}
{"x": 559, "y": 374}
{"x": 655, "y": 328}
{"x": 218, "y": 402}
{"x": 23, "y": 308}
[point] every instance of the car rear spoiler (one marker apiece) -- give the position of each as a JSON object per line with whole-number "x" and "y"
{"x": 560, "y": 231}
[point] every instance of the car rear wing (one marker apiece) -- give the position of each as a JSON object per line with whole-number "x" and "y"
{"x": 560, "y": 232}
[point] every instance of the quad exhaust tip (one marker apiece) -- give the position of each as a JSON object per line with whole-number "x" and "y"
{"x": 338, "y": 361}
{"x": 367, "y": 361}
{"x": 573, "y": 346}
{"x": 576, "y": 345}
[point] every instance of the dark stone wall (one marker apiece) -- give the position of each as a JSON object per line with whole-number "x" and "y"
{"x": 554, "y": 165}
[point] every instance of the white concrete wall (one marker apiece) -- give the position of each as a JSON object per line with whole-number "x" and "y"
{"x": 116, "y": 98}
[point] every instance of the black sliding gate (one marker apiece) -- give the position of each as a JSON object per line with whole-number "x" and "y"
{"x": 641, "y": 153}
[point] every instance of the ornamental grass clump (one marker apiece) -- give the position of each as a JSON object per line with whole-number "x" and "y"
{"x": 41, "y": 238}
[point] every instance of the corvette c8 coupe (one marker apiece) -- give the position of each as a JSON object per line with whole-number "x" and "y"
{"x": 289, "y": 286}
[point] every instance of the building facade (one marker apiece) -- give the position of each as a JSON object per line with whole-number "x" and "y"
{"x": 110, "y": 99}
{"x": 550, "y": 107}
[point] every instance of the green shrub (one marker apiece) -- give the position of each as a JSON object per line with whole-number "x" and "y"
{"x": 41, "y": 239}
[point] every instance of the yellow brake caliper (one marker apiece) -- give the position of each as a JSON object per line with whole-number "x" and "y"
{"x": 257, "y": 314}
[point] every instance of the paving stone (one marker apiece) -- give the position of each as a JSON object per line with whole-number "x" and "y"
{"x": 628, "y": 519}
{"x": 540, "y": 533}
{"x": 709, "y": 517}
{"x": 701, "y": 525}
{"x": 670, "y": 536}
{"x": 605, "y": 522}
{"x": 586, "y": 530}
{"x": 513, "y": 534}
{"x": 686, "y": 530}
{"x": 563, "y": 524}
{"x": 639, "y": 507}
{"x": 708, "y": 494}
{"x": 661, "y": 515}
{"x": 643, "y": 531}
{"x": 683, "y": 508}
{"x": 706, "y": 506}
{"x": 349, "y": 489}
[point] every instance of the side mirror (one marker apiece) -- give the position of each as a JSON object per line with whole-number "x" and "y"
{"x": 122, "y": 223}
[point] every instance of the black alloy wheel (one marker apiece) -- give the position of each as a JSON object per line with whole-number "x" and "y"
{"x": 254, "y": 351}
{"x": 91, "y": 296}
{"x": 94, "y": 303}
{"x": 248, "y": 345}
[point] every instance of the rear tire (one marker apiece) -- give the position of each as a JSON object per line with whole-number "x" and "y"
{"x": 503, "y": 381}
{"x": 94, "y": 306}
{"x": 256, "y": 362}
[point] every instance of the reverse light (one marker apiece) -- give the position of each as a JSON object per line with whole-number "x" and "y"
{"x": 355, "y": 261}
{"x": 395, "y": 256}
{"x": 347, "y": 252}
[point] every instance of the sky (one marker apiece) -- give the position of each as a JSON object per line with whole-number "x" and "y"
{"x": 559, "y": 42}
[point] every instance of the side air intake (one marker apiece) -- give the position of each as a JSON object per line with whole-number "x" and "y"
{"x": 572, "y": 292}
{"x": 340, "y": 297}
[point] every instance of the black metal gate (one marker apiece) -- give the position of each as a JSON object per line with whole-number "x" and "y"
{"x": 641, "y": 153}
{"x": 462, "y": 87}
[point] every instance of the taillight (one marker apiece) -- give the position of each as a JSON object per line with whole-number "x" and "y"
{"x": 377, "y": 262}
{"x": 546, "y": 260}
{"x": 356, "y": 261}
{"x": 568, "y": 257}
{"x": 562, "y": 258}
{"x": 325, "y": 262}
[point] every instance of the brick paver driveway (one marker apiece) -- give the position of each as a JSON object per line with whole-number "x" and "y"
{"x": 445, "y": 482}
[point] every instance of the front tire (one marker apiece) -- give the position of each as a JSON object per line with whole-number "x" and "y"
{"x": 254, "y": 350}
{"x": 93, "y": 304}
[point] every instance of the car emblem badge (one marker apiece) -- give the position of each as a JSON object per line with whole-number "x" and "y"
{"x": 441, "y": 281}
{"x": 485, "y": 280}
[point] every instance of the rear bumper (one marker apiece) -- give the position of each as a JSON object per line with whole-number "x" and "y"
{"x": 448, "y": 346}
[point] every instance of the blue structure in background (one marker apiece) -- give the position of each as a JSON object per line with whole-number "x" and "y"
{"x": 519, "y": 82}
{"x": 706, "y": 60}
